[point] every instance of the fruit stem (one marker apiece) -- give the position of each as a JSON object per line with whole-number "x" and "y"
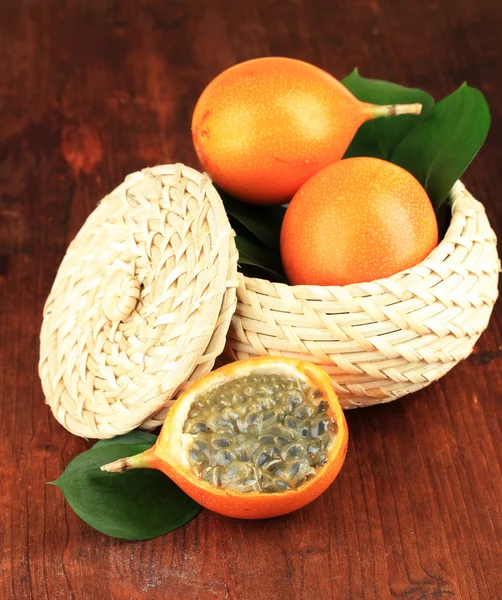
{"x": 139, "y": 461}
{"x": 373, "y": 111}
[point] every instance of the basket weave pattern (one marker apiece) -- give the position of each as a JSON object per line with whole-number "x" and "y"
{"x": 141, "y": 303}
{"x": 386, "y": 338}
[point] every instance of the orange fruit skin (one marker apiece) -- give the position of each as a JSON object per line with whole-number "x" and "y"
{"x": 253, "y": 505}
{"x": 265, "y": 126}
{"x": 356, "y": 220}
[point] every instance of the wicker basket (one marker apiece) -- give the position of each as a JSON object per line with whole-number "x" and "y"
{"x": 387, "y": 338}
{"x": 141, "y": 303}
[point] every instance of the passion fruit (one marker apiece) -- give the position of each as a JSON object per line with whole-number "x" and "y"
{"x": 263, "y": 127}
{"x": 254, "y": 439}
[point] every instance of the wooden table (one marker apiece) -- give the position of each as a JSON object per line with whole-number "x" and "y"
{"x": 90, "y": 91}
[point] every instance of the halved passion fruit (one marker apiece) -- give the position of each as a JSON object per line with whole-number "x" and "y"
{"x": 254, "y": 439}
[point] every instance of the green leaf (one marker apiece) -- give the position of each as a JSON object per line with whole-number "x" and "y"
{"x": 379, "y": 137}
{"x": 133, "y": 437}
{"x": 264, "y": 222}
{"x": 135, "y": 505}
{"x": 265, "y": 260}
{"x": 441, "y": 148}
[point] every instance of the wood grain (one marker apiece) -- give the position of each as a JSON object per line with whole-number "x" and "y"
{"x": 90, "y": 91}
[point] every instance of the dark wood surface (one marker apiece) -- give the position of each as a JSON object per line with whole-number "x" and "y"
{"x": 90, "y": 91}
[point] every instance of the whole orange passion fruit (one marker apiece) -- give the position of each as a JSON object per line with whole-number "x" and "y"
{"x": 263, "y": 127}
{"x": 256, "y": 438}
{"x": 356, "y": 220}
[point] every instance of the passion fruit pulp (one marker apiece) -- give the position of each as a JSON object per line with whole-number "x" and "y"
{"x": 254, "y": 439}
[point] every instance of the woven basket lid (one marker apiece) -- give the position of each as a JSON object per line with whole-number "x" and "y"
{"x": 141, "y": 303}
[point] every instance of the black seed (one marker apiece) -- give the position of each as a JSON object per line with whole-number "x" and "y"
{"x": 243, "y": 455}
{"x": 317, "y": 394}
{"x": 304, "y": 469}
{"x": 215, "y": 476}
{"x": 219, "y": 421}
{"x": 272, "y": 451}
{"x": 282, "y": 485}
{"x": 224, "y": 430}
{"x": 319, "y": 428}
{"x": 292, "y": 470}
{"x": 235, "y": 472}
{"x": 305, "y": 432}
{"x": 293, "y": 451}
{"x": 202, "y": 446}
{"x": 195, "y": 457}
{"x": 246, "y": 485}
{"x": 290, "y": 422}
{"x": 254, "y": 418}
{"x": 198, "y": 428}
{"x": 303, "y": 411}
{"x": 312, "y": 450}
{"x": 279, "y": 417}
{"x": 250, "y": 481}
{"x": 262, "y": 459}
{"x": 322, "y": 407}
{"x": 281, "y": 441}
{"x": 278, "y": 471}
{"x": 221, "y": 442}
{"x": 273, "y": 465}
{"x": 267, "y": 440}
{"x": 295, "y": 398}
{"x": 269, "y": 488}
{"x": 222, "y": 457}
